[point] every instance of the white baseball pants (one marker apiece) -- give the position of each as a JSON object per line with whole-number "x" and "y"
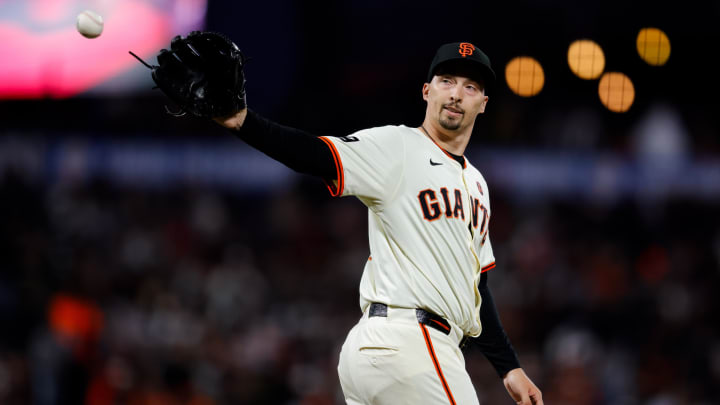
{"x": 395, "y": 360}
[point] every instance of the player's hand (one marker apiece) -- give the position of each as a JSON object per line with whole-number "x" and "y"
{"x": 233, "y": 121}
{"x": 521, "y": 388}
{"x": 202, "y": 73}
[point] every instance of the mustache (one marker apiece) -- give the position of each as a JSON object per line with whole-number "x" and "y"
{"x": 454, "y": 107}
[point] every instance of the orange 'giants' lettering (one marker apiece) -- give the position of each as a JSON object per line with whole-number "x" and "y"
{"x": 428, "y": 203}
{"x": 485, "y": 218}
{"x": 458, "y": 205}
{"x": 446, "y": 200}
{"x": 475, "y": 208}
{"x": 432, "y": 209}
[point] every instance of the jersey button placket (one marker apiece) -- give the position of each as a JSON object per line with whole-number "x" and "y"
{"x": 468, "y": 224}
{"x": 471, "y": 246}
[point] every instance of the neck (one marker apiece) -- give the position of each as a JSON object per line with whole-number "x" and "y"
{"x": 452, "y": 141}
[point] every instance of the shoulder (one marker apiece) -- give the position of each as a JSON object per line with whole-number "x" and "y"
{"x": 390, "y": 135}
{"x": 387, "y": 130}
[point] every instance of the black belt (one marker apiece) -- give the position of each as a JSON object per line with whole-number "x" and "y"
{"x": 424, "y": 317}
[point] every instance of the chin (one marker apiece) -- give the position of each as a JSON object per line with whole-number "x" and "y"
{"x": 450, "y": 125}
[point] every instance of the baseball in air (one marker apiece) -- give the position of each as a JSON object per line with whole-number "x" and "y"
{"x": 89, "y": 24}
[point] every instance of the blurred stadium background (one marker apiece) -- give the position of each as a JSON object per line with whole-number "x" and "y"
{"x": 147, "y": 259}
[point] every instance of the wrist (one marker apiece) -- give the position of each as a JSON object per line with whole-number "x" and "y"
{"x": 512, "y": 372}
{"x": 234, "y": 121}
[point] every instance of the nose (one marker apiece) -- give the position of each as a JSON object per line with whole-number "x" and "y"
{"x": 456, "y": 94}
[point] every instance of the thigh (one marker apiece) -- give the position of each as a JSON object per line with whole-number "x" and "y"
{"x": 399, "y": 363}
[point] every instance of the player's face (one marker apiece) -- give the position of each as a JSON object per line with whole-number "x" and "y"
{"x": 454, "y": 100}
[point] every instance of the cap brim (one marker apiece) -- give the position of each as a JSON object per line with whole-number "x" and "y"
{"x": 473, "y": 68}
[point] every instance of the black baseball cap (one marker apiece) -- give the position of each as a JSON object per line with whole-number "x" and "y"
{"x": 466, "y": 54}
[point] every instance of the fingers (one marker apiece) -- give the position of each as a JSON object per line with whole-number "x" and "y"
{"x": 525, "y": 400}
{"x": 521, "y": 388}
{"x": 536, "y": 398}
{"x": 531, "y": 398}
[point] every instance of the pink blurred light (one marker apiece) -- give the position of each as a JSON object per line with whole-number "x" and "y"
{"x": 48, "y": 11}
{"x": 61, "y": 63}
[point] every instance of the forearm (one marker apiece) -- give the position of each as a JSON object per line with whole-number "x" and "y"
{"x": 296, "y": 149}
{"x": 494, "y": 342}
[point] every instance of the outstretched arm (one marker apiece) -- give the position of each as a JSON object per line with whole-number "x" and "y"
{"x": 296, "y": 149}
{"x": 495, "y": 345}
{"x": 203, "y": 74}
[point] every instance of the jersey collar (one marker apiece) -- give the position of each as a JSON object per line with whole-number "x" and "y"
{"x": 460, "y": 159}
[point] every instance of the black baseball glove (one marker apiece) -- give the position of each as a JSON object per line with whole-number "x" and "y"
{"x": 202, "y": 73}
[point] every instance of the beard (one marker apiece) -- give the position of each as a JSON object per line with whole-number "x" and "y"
{"x": 447, "y": 122}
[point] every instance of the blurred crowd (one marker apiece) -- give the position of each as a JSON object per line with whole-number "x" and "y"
{"x": 114, "y": 295}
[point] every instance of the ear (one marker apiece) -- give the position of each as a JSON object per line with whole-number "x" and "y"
{"x": 426, "y": 91}
{"x": 483, "y": 105}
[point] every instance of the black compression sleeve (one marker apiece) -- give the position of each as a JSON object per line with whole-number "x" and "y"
{"x": 296, "y": 149}
{"x": 493, "y": 341}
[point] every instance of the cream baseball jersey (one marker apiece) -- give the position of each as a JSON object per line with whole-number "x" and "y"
{"x": 428, "y": 222}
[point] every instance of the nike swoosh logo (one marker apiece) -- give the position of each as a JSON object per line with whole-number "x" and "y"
{"x": 434, "y": 163}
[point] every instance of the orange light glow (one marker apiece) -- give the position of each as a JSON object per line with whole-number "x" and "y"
{"x": 586, "y": 59}
{"x": 653, "y": 46}
{"x": 616, "y": 91}
{"x": 524, "y": 76}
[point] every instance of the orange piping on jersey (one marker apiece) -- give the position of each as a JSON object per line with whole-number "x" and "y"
{"x": 441, "y": 324}
{"x": 488, "y": 267}
{"x": 370, "y": 258}
{"x": 436, "y": 363}
{"x": 335, "y": 190}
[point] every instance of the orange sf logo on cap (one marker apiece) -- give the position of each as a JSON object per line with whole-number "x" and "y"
{"x": 466, "y": 49}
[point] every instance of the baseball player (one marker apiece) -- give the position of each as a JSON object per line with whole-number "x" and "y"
{"x": 424, "y": 289}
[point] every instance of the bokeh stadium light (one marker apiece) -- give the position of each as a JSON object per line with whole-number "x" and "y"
{"x": 524, "y": 76}
{"x": 653, "y": 46}
{"x": 616, "y": 91}
{"x": 43, "y": 55}
{"x": 586, "y": 59}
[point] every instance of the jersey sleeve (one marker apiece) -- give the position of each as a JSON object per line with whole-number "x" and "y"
{"x": 369, "y": 164}
{"x": 487, "y": 258}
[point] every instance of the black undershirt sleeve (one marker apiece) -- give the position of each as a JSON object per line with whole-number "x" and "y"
{"x": 296, "y": 149}
{"x": 493, "y": 341}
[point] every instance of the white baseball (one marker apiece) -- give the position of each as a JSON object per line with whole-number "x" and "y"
{"x": 89, "y": 24}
